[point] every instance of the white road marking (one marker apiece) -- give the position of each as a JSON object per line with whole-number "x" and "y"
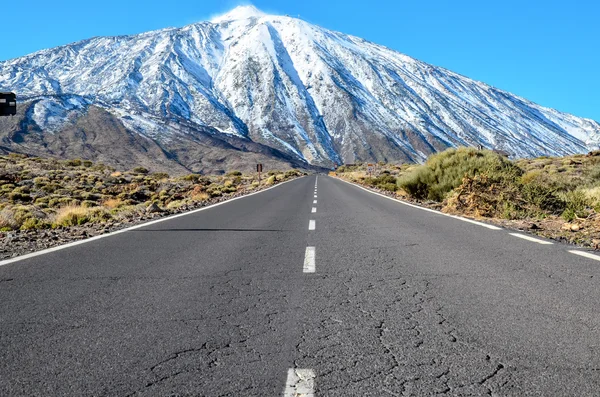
{"x": 314, "y": 201}
{"x": 586, "y": 255}
{"x": 529, "y": 238}
{"x": 309, "y": 260}
{"x": 315, "y": 196}
{"x": 311, "y": 225}
{"x": 168, "y": 218}
{"x": 492, "y": 227}
{"x": 314, "y": 210}
{"x": 300, "y": 383}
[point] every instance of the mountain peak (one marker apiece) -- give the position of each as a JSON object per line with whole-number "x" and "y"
{"x": 239, "y": 13}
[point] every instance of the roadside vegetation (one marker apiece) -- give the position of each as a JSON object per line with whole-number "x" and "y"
{"x": 47, "y": 194}
{"x": 554, "y": 197}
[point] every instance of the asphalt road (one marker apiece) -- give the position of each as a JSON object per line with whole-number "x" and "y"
{"x": 392, "y": 301}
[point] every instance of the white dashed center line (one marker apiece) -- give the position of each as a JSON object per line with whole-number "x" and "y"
{"x": 529, "y": 238}
{"x": 314, "y": 201}
{"x": 311, "y": 225}
{"x": 315, "y": 196}
{"x": 300, "y": 383}
{"x": 309, "y": 260}
{"x": 314, "y": 210}
{"x": 586, "y": 255}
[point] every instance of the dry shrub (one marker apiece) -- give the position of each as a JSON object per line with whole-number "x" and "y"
{"x": 8, "y": 219}
{"x": 72, "y": 215}
{"x": 113, "y": 203}
{"x": 480, "y": 196}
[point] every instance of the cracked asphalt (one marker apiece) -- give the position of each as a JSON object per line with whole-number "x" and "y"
{"x": 403, "y": 302}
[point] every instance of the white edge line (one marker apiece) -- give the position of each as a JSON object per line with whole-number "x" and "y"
{"x": 88, "y": 240}
{"x": 492, "y": 227}
{"x": 586, "y": 255}
{"x": 529, "y": 238}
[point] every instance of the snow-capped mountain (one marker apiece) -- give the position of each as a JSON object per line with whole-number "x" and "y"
{"x": 309, "y": 93}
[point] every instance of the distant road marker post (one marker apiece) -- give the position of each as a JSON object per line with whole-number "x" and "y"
{"x": 259, "y": 168}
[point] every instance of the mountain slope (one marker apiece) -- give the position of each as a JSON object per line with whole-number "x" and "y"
{"x": 313, "y": 95}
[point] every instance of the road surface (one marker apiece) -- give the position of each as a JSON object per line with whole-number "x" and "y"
{"x": 314, "y": 287}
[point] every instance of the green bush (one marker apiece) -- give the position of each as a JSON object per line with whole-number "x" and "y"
{"x": 576, "y": 205}
{"x": 543, "y": 197}
{"x": 445, "y": 171}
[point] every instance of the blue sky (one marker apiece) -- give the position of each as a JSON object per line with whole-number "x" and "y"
{"x": 546, "y": 51}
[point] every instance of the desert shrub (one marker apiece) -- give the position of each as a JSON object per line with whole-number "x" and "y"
{"x": 34, "y": 223}
{"x": 392, "y": 187}
{"x": 50, "y": 188}
{"x": 445, "y": 171}
{"x": 292, "y": 173}
{"x": 593, "y": 173}
{"x": 271, "y": 180}
{"x": 87, "y": 163}
{"x": 593, "y": 197}
{"x": 576, "y": 205}
{"x": 228, "y": 189}
{"x": 72, "y": 163}
{"x": 99, "y": 214}
{"x": 199, "y": 196}
{"x": 543, "y": 197}
{"x": 7, "y": 188}
{"x": 175, "y": 204}
{"x": 215, "y": 193}
{"x": 19, "y": 197}
{"x": 112, "y": 203}
{"x": 8, "y": 220}
{"x": 41, "y": 181}
{"x": 160, "y": 176}
{"x": 88, "y": 203}
{"x": 234, "y": 173}
{"x": 140, "y": 170}
{"x": 192, "y": 178}
{"x": 72, "y": 215}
